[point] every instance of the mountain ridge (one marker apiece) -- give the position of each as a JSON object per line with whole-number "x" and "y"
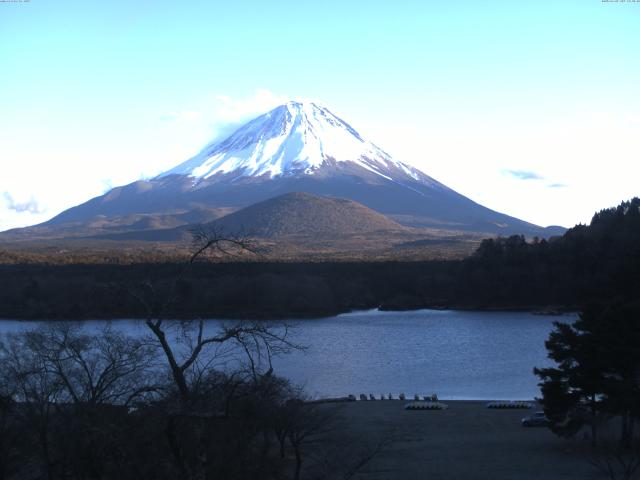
{"x": 296, "y": 147}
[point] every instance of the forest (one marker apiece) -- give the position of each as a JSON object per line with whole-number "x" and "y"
{"x": 589, "y": 262}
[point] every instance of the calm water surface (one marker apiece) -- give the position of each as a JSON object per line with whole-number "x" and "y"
{"x": 456, "y": 354}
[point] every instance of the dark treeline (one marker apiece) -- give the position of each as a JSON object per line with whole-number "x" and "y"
{"x": 598, "y": 261}
{"x": 220, "y": 289}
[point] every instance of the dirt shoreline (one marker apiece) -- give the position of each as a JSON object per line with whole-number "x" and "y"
{"x": 465, "y": 441}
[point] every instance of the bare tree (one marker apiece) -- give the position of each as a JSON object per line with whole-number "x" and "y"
{"x": 106, "y": 367}
{"x": 194, "y": 352}
{"x": 320, "y": 439}
{"x": 36, "y": 390}
{"x": 71, "y": 387}
{"x": 305, "y": 423}
{"x": 9, "y": 436}
{"x": 183, "y": 343}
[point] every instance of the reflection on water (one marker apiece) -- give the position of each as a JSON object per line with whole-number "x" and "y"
{"x": 456, "y": 354}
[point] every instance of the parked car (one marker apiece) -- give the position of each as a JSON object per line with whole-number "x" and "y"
{"x": 538, "y": 419}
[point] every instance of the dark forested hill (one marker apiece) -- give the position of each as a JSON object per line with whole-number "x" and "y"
{"x": 600, "y": 261}
{"x": 589, "y": 262}
{"x": 303, "y": 213}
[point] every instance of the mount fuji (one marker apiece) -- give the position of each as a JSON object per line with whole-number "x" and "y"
{"x": 292, "y": 140}
{"x": 296, "y": 147}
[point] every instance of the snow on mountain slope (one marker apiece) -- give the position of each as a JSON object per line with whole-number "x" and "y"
{"x": 292, "y": 139}
{"x": 296, "y": 147}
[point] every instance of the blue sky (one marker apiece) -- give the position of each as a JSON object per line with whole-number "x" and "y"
{"x": 531, "y": 108}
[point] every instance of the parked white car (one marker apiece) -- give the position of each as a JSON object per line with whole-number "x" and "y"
{"x": 538, "y": 419}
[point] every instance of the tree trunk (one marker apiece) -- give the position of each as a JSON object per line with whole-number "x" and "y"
{"x": 43, "y": 438}
{"x": 176, "y": 371}
{"x": 174, "y": 447}
{"x": 48, "y": 462}
{"x": 594, "y": 430}
{"x": 264, "y": 451}
{"x": 2, "y": 465}
{"x": 298, "y": 454}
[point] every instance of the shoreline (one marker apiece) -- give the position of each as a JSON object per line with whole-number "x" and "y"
{"x": 556, "y": 311}
{"x": 410, "y": 399}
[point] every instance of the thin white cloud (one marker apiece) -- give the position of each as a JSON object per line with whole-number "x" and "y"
{"x": 231, "y": 110}
{"x": 226, "y": 114}
{"x": 523, "y": 174}
{"x": 107, "y": 185}
{"x": 221, "y": 109}
{"x": 29, "y": 206}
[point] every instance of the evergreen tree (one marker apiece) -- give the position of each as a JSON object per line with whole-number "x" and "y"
{"x": 619, "y": 330}
{"x": 598, "y": 371}
{"x": 572, "y": 392}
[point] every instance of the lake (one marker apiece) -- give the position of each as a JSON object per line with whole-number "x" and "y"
{"x": 455, "y": 354}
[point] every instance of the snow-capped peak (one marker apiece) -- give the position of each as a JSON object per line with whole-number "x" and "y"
{"x": 294, "y": 138}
